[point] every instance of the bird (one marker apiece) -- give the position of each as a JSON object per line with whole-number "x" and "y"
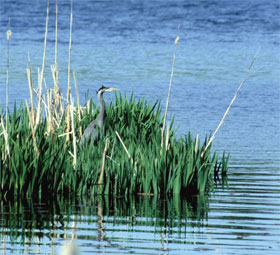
{"x": 93, "y": 129}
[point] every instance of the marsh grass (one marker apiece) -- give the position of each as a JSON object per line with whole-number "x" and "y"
{"x": 40, "y": 156}
{"x": 125, "y": 164}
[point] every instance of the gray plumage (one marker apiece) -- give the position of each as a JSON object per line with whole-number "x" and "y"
{"x": 95, "y": 127}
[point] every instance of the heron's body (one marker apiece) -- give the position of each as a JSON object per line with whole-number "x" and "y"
{"x": 94, "y": 129}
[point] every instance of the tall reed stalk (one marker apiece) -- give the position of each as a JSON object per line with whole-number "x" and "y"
{"x": 30, "y": 85}
{"x": 100, "y": 180}
{"x": 78, "y": 100}
{"x": 41, "y": 73}
{"x": 57, "y": 100}
{"x": 170, "y": 84}
{"x": 69, "y": 72}
{"x": 9, "y": 33}
{"x": 5, "y": 130}
{"x": 232, "y": 101}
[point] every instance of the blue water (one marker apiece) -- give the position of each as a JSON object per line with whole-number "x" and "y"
{"x": 130, "y": 45}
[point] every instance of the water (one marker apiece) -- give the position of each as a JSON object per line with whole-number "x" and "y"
{"x": 130, "y": 45}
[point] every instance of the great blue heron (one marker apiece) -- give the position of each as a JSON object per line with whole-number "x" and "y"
{"x": 93, "y": 129}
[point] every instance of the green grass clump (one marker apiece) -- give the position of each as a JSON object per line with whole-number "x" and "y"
{"x": 133, "y": 162}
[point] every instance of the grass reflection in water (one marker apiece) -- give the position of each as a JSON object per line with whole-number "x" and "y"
{"x": 101, "y": 220}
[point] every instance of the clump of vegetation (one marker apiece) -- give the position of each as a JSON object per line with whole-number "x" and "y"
{"x": 40, "y": 156}
{"x": 128, "y": 159}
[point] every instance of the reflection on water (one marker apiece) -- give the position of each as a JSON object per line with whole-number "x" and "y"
{"x": 132, "y": 49}
{"x": 102, "y": 223}
{"x": 242, "y": 218}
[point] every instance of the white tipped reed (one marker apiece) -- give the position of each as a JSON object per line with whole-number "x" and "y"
{"x": 170, "y": 84}
{"x": 232, "y": 101}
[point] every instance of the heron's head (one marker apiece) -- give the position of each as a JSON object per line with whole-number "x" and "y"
{"x": 105, "y": 89}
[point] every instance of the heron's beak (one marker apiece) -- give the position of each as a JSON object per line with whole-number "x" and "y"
{"x": 112, "y": 89}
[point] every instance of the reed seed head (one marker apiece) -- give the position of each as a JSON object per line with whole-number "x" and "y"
{"x": 8, "y": 33}
{"x": 177, "y": 40}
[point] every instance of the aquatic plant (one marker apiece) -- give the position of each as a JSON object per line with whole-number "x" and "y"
{"x": 40, "y": 163}
{"x": 40, "y": 157}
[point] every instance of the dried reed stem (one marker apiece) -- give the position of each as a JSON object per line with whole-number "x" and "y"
{"x": 41, "y": 74}
{"x": 196, "y": 143}
{"x": 56, "y": 25}
{"x": 9, "y": 33}
{"x": 69, "y": 68}
{"x": 233, "y": 99}
{"x": 64, "y": 134}
{"x": 7, "y": 148}
{"x": 32, "y": 129}
{"x": 56, "y": 97}
{"x": 57, "y": 100}
{"x": 73, "y": 134}
{"x": 167, "y": 145}
{"x": 170, "y": 84}
{"x": 100, "y": 180}
{"x": 128, "y": 154}
{"x": 49, "y": 112}
{"x": 30, "y": 84}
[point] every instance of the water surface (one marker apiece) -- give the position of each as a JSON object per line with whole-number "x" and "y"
{"x": 130, "y": 45}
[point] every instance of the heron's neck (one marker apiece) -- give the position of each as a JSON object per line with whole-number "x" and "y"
{"x": 102, "y": 112}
